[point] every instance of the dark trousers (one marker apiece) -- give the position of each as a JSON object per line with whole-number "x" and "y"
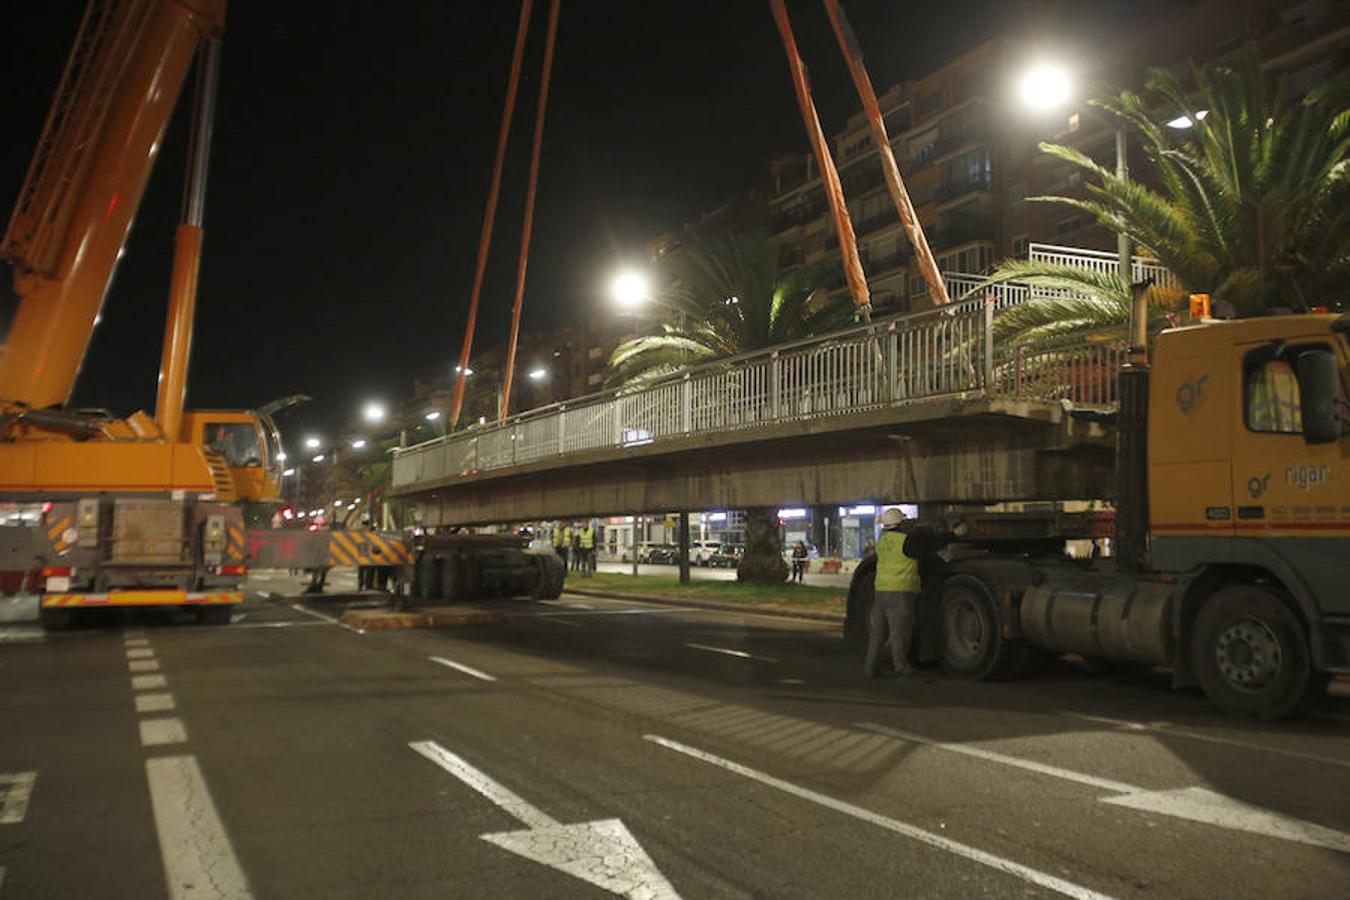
{"x": 892, "y": 621}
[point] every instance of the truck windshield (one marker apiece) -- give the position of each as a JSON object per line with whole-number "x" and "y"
{"x": 237, "y": 441}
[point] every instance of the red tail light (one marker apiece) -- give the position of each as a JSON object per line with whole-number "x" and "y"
{"x": 234, "y": 570}
{"x": 56, "y": 571}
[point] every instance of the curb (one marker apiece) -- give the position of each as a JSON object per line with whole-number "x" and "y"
{"x": 837, "y": 618}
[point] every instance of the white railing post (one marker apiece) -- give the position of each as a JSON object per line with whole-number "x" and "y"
{"x": 988, "y": 345}
{"x": 562, "y": 430}
{"x": 617, "y": 405}
{"x": 775, "y": 386}
{"x": 687, "y": 404}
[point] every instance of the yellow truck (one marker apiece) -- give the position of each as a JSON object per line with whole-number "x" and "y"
{"x": 1231, "y": 546}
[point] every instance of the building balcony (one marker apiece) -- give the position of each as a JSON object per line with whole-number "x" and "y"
{"x": 954, "y": 189}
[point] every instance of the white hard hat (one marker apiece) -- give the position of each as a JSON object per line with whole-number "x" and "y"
{"x": 892, "y": 516}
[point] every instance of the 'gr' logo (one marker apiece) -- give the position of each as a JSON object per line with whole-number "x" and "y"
{"x": 1190, "y": 392}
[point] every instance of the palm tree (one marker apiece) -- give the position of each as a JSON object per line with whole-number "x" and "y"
{"x": 729, "y": 294}
{"x": 1252, "y": 204}
{"x": 725, "y": 295}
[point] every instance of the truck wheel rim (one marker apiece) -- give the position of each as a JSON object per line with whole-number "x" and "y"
{"x": 1248, "y": 654}
{"x": 965, "y": 629}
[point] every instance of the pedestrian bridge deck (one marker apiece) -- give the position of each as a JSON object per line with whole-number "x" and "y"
{"x": 920, "y": 407}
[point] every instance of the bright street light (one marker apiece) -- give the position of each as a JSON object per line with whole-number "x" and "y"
{"x": 358, "y": 444}
{"x": 1043, "y": 87}
{"x": 538, "y": 374}
{"x": 1181, "y": 122}
{"x": 288, "y": 473}
{"x": 467, "y": 372}
{"x": 281, "y": 456}
{"x": 373, "y": 412}
{"x": 433, "y": 415}
{"x": 336, "y": 504}
{"x": 629, "y": 289}
{"x": 319, "y": 458}
{"x": 312, "y": 443}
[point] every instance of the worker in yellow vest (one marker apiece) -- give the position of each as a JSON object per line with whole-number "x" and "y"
{"x": 897, "y": 597}
{"x": 586, "y": 538}
{"x": 569, "y": 538}
{"x": 560, "y": 543}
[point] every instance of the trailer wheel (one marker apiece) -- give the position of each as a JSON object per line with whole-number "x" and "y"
{"x": 216, "y": 614}
{"x": 452, "y": 578}
{"x": 862, "y": 591}
{"x": 550, "y": 582}
{"x": 973, "y": 645}
{"x": 1250, "y": 654}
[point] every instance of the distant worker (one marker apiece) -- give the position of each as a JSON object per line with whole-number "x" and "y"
{"x": 799, "y": 554}
{"x": 897, "y": 594}
{"x": 586, "y": 540}
{"x": 559, "y": 545}
{"x": 568, "y": 539}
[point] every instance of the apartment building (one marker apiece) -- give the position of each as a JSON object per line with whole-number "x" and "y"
{"x": 968, "y": 151}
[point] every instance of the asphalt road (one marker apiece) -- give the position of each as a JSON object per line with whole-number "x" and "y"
{"x": 582, "y": 748}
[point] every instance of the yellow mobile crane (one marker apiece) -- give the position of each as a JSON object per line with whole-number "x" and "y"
{"x": 133, "y": 511}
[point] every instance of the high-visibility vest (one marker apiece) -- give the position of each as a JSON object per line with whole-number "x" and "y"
{"x": 587, "y": 538}
{"x": 558, "y": 537}
{"x": 895, "y": 570}
{"x": 567, "y": 536}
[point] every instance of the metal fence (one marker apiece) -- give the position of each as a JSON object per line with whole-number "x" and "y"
{"x": 939, "y": 352}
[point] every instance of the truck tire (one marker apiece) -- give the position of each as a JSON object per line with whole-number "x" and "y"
{"x": 550, "y": 583}
{"x": 452, "y": 579}
{"x": 56, "y": 618}
{"x": 973, "y": 645}
{"x": 1250, "y": 654}
{"x": 862, "y": 592}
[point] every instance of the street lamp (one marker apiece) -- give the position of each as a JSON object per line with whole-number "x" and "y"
{"x": 1046, "y": 86}
{"x": 359, "y": 444}
{"x": 432, "y": 415}
{"x": 373, "y": 412}
{"x": 1183, "y": 122}
{"x": 629, "y": 289}
{"x": 312, "y": 443}
{"x": 538, "y": 374}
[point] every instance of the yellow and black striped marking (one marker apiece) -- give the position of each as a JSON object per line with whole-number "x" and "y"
{"x": 367, "y": 548}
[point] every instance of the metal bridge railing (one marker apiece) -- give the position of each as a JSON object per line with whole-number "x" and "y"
{"x": 903, "y": 359}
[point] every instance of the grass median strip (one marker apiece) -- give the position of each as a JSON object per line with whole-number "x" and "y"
{"x": 783, "y": 597}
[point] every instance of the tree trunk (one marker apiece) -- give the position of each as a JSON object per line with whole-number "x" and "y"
{"x": 763, "y": 561}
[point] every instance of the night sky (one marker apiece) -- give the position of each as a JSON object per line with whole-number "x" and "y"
{"x": 353, "y": 147}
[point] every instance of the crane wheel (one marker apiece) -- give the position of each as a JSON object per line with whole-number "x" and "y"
{"x": 1250, "y": 654}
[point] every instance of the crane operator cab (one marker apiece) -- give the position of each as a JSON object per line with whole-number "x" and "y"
{"x": 248, "y": 445}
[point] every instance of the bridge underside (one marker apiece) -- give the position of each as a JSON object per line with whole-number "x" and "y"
{"x": 950, "y": 451}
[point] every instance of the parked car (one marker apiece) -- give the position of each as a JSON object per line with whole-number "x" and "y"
{"x": 701, "y": 553}
{"x": 728, "y": 556}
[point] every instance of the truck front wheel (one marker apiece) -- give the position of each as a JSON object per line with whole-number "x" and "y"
{"x": 1250, "y": 654}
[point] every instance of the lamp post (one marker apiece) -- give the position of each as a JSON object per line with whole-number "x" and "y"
{"x": 1046, "y": 87}
{"x": 629, "y": 290}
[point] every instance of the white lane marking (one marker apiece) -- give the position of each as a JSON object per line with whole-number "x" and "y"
{"x": 136, "y": 641}
{"x": 791, "y": 681}
{"x": 149, "y": 703}
{"x": 198, "y": 859}
{"x": 725, "y": 651}
{"x": 140, "y": 653}
{"x": 22, "y": 634}
{"x": 158, "y": 732}
{"x": 1196, "y": 804}
{"x": 572, "y": 604}
{"x": 15, "y": 789}
{"x": 324, "y": 617}
{"x": 1105, "y": 784}
{"x": 604, "y": 852}
{"x": 1007, "y": 866}
{"x": 280, "y": 625}
{"x": 467, "y": 670}
{"x": 143, "y": 665}
{"x": 238, "y": 617}
{"x": 1166, "y": 728}
{"x": 147, "y": 682}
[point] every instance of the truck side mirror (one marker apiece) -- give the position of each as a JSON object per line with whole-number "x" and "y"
{"x": 1319, "y": 386}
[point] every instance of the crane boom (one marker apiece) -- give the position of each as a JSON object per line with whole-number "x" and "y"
{"x": 86, "y": 182}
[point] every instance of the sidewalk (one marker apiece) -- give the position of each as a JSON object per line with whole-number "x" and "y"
{"x": 811, "y": 603}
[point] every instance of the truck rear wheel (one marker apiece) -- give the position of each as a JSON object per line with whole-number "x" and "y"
{"x": 1250, "y": 654}
{"x": 56, "y": 618}
{"x": 861, "y": 594}
{"x": 973, "y": 645}
{"x": 215, "y": 614}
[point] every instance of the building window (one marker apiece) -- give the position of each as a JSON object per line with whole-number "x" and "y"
{"x": 918, "y": 288}
{"x": 1066, "y": 227}
{"x": 929, "y": 104}
{"x": 1021, "y": 246}
{"x": 1017, "y": 193}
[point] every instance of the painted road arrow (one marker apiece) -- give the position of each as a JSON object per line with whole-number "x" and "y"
{"x": 604, "y": 853}
{"x": 1194, "y": 803}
